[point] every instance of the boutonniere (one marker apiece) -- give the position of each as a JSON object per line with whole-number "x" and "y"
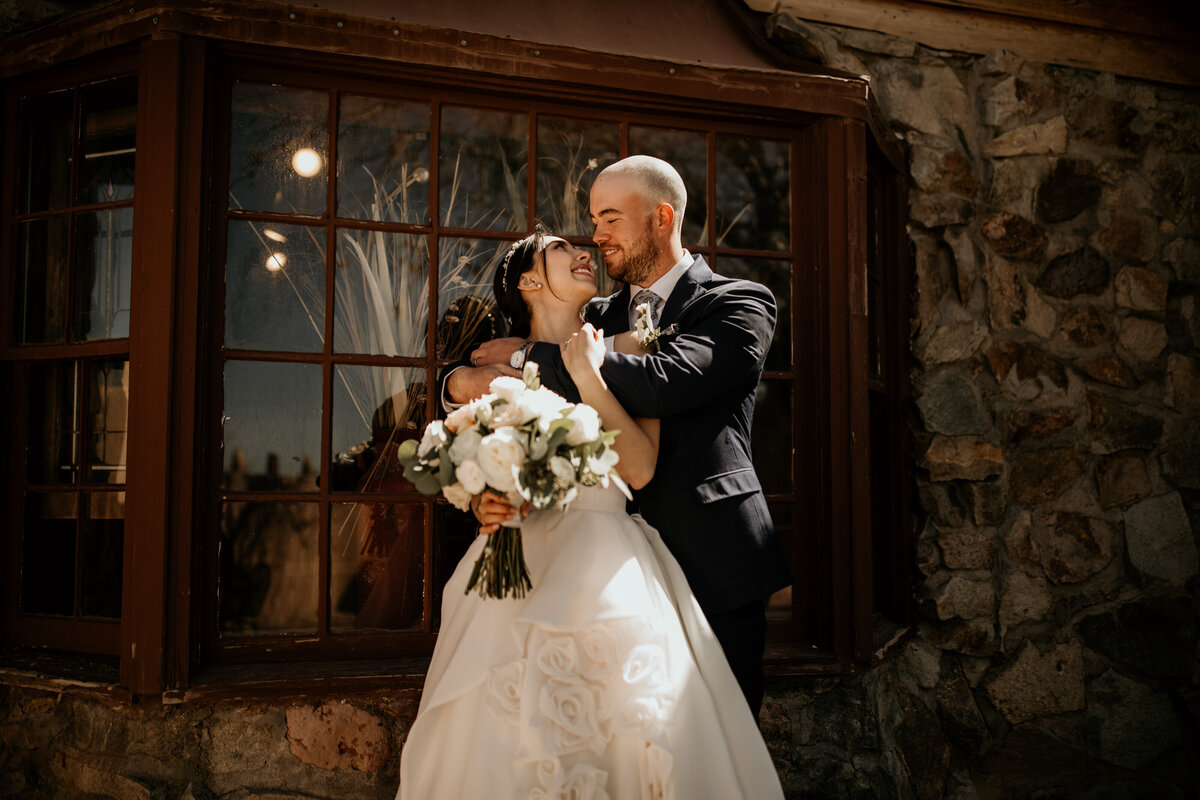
{"x": 648, "y": 335}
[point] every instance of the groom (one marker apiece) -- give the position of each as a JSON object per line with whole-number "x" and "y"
{"x": 705, "y": 499}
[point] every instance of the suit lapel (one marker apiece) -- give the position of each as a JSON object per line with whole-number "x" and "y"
{"x": 690, "y": 284}
{"x": 612, "y": 315}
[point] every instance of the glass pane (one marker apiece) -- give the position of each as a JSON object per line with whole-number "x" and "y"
{"x": 272, "y": 426}
{"x": 108, "y": 142}
{"x": 482, "y": 156}
{"x": 46, "y": 151}
{"x": 779, "y": 605}
{"x": 570, "y": 153}
{"x": 466, "y": 268}
{"x": 51, "y": 454}
{"x": 381, "y": 291}
{"x": 40, "y": 304}
{"x": 753, "y": 193}
{"x": 687, "y": 151}
{"x": 383, "y": 160}
{"x": 101, "y": 555}
{"x": 48, "y": 554}
{"x": 275, "y": 287}
{"x": 378, "y": 561}
{"x": 771, "y": 436}
{"x": 108, "y": 406}
{"x": 268, "y": 580}
{"x": 776, "y": 276}
{"x": 278, "y": 151}
{"x": 374, "y": 408}
{"x": 104, "y": 243}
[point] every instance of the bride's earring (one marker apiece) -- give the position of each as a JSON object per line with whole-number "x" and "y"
{"x": 527, "y": 284}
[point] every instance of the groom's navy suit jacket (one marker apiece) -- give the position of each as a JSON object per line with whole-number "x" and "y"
{"x": 705, "y": 499}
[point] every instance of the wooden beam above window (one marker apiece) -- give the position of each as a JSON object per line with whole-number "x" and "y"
{"x": 1149, "y": 40}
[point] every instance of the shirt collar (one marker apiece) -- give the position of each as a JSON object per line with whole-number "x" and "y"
{"x": 666, "y": 284}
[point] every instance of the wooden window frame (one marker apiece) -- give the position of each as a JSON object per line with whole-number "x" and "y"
{"x": 842, "y": 141}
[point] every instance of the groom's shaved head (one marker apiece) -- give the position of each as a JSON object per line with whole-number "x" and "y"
{"x": 659, "y": 182}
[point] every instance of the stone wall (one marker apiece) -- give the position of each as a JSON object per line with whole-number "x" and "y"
{"x": 1055, "y": 225}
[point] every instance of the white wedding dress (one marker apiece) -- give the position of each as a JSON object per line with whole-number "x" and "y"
{"x": 604, "y": 682}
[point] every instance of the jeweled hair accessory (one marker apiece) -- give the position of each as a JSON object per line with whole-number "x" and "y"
{"x": 508, "y": 257}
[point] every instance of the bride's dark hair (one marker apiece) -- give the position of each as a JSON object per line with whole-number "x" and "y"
{"x": 517, "y": 261}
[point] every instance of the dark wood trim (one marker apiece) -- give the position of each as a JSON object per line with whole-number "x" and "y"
{"x": 859, "y": 441}
{"x": 151, "y": 358}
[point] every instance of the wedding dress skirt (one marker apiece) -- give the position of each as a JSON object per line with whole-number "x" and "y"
{"x": 604, "y": 682}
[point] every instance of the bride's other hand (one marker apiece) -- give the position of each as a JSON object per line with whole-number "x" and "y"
{"x": 491, "y": 510}
{"x": 584, "y": 352}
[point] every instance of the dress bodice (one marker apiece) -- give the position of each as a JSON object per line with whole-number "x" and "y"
{"x": 599, "y": 498}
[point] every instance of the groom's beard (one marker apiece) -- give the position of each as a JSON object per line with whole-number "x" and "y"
{"x": 638, "y": 263}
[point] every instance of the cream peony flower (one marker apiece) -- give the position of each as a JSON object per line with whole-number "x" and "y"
{"x": 507, "y": 389}
{"x": 461, "y": 419}
{"x": 585, "y": 427}
{"x": 471, "y": 477}
{"x": 500, "y": 455}
{"x": 458, "y": 496}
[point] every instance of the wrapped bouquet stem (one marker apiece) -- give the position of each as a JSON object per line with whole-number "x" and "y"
{"x": 519, "y": 440}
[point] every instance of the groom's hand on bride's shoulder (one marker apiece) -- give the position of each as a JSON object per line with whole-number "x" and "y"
{"x": 496, "y": 352}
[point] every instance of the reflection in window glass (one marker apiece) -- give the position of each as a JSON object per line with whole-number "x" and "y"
{"x": 687, "y": 151}
{"x": 771, "y": 436}
{"x": 104, "y": 246}
{"x": 51, "y": 451}
{"x": 101, "y": 551}
{"x": 776, "y": 276}
{"x": 570, "y": 154}
{"x": 275, "y": 287}
{"x": 40, "y": 304}
{"x": 383, "y": 160}
{"x": 46, "y": 151}
{"x": 381, "y": 292}
{"x": 48, "y": 554}
{"x": 374, "y": 409}
{"x": 108, "y": 406}
{"x": 108, "y": 141}
{"x": 268, "y": 574}
{"x": 482, "y": 157}
{"x": 277, "y": 161}
{"x": 377, "y": 564}
{"x": 753, "y": 198}
{"x": 272, "y": 426}
{"x": 465, "y": 307}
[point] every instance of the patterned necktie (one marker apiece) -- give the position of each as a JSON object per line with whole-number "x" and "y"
{"x": 654, "y": 301}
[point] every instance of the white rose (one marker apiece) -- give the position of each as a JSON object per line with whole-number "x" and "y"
{"x": 500, "y": 455}
{"x": 435, "y": 437}
{"x": 465, "y": 445}
{"x": 459, "y": 497}
{"x": 514, "y": 413}
{"x": 504, "y": 685}
{"x": 547, "y": 403}
{"x": 471, "y": 477}
{"x": 644, "y": 664}
{"x": 598, "y": 649}
{"x": 557, "y": 657}
{"x": 507, "y": 389}
{"x": 585, "y": 425}
{"x": 576, "y": 712}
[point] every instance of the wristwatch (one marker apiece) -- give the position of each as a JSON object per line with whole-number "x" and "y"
{"x": 517, "y": 359}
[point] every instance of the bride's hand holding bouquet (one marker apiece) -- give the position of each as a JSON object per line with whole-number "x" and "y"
{"x": 520, "y": 441}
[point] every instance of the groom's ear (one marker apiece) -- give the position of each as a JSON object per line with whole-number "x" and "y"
{"x": 663, "y": 217}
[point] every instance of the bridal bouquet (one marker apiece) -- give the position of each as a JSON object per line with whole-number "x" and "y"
{"x": 520, "y": 440}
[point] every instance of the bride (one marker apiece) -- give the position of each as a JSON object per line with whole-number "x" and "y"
{"x": 605, "y": 681}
